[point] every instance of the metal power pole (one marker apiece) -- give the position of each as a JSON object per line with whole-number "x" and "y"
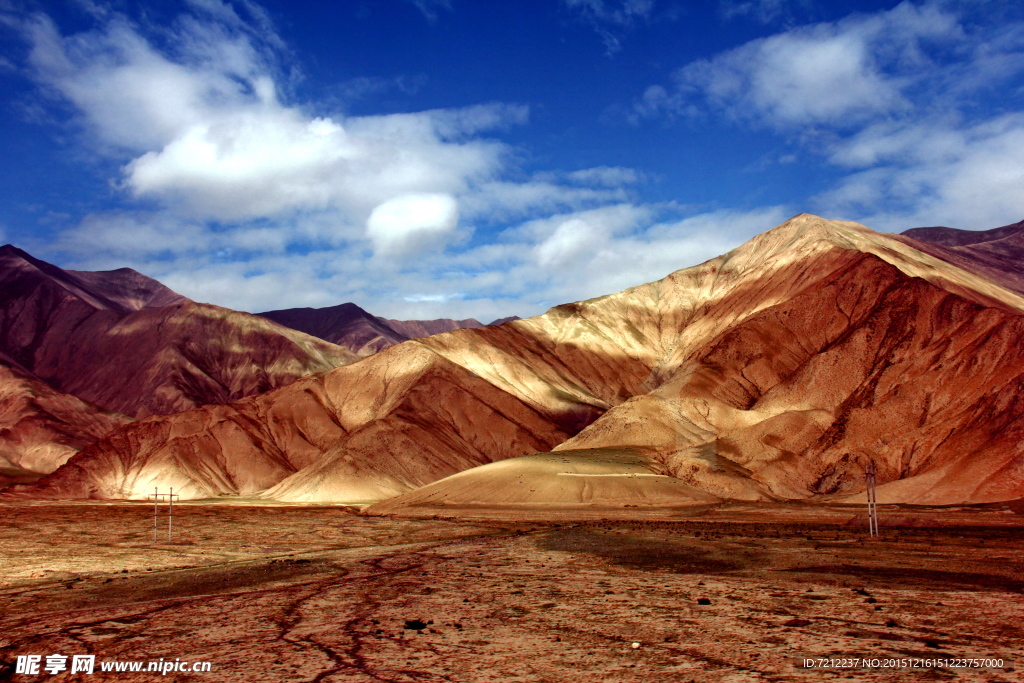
{"x": 156, "y": 496}
{"x": 869, "y": 476}
{"x": 170, "y": 513}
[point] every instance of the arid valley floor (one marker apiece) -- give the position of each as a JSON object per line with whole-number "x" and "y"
{"x": 292, "y": 593}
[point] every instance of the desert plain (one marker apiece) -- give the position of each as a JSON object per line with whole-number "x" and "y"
{"x": 729, "y": 592}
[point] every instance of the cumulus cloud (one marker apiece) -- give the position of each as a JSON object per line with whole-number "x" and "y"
{"x": 214, "y": 140}
{"x": 412, "y": 221}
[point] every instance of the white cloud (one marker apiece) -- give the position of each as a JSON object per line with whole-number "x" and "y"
{"x": 915, "y": 105}
{"x": 433, "y": 298}
{"x": 411, "y": 222}
{"x": 934, "y": 173}
{"x": 214, "y": 141}
{"x": 609, "y": 176}
{"x": 260, "y": 204}
{"x": 836, "y": 73}
{"x": 572, "y": 238}
{"x": 525, "y": 270}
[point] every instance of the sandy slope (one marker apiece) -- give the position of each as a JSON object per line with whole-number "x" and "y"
{"x": 607, "y": 477}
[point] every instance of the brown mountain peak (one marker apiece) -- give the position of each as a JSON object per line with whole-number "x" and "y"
{"x": 126, "y": 342}
{"x": 346, "y": 324}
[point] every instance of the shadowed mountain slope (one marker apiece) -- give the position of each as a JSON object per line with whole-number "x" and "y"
{"x": 127, "y": 343}
{"x": 954, "y": 237}
{"x": 784, "y": 365}
{"x": 40, "y": 428}
{"x": 346, "y": 325}
{"x": 996, "y": 254}
{"x": 770, "y": 372}
{"x": 417, "y": 329}
{"x": 350, "y": 326}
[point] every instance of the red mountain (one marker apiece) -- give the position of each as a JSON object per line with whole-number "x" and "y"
{"x": 125, "y": 342}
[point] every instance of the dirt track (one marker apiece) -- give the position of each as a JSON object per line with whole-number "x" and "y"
{"x": 319, "y": 594}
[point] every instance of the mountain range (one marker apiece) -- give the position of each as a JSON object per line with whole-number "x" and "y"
{"x": 84, "y": 352}
{"x": 353, "y": 328}
{"x": 773, "y": 372}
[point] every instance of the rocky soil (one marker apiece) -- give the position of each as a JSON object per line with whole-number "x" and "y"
{"x": 735, "y": 593}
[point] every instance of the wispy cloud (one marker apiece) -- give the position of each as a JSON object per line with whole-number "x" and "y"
{"x": 430, "y": 8}
{"x": 611, "y": 18}
{"x": 525, "y": 269}
{"x": 934, "y": 172}
{"x": 763, "y": 11}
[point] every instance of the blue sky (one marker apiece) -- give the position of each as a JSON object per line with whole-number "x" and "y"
{"x": 454, "y": 158}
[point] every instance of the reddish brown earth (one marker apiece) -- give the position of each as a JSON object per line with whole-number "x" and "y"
{"x": 125, "y": 342}
{"x": 736, "y": 593}
{"x": 360, "y": 434}
{"x": 773, "y": 372}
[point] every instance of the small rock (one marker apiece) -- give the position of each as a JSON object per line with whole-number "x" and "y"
{"x": 703, "y": 601}
{"x": 797, "y": 622}
{"x": 415, "y": 625}
{"x": 636, "y": 645}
